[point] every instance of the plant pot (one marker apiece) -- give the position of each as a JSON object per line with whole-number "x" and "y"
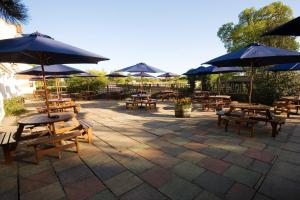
{"x": 181, "y": 112}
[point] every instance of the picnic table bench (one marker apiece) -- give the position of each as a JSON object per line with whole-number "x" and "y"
{"x": 58, "y": 143}
{"x": 257, "y": 112}
{"x": 8, "y": 144}
{"x": 60, "y": 108}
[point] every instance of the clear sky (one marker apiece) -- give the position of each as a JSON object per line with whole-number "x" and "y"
{"x": 173, "y": 35}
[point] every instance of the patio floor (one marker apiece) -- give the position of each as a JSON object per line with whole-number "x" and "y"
{"x": 138, "y": 154}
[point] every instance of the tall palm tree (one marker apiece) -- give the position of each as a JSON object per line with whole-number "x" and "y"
{"x": 13, "y": 11}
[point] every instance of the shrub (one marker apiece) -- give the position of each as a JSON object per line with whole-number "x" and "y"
{"x": 183, "y": 103}
{"x": 14, "y": 106}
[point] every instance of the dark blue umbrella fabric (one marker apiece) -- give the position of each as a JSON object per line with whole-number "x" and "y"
{"x": 141, "y": 67}
{"x": 41, "y": 49}
{"x": 115, "y": 75}
{"x": 256, "y": 55}
{"x": 52, "y": 70}
{"x": 190, "y": 72}
{"x": 285, "y": 67}
{"x": 143, "y": 74}
{"x": 290, "y": 28}
{"x": 85, "y": 74}
{"x": 168, "y": 75}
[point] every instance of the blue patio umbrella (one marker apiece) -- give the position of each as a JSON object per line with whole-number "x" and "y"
{"x": 285, "y": 67}
{"x": 168, "y": 75}
{"x": 290, "y": 28}
{"x": 41, "y": 49}
{"x": 143, "y": 74}
{"x": 255, "y": 55}
{"x": 190, "y": 72}
{"x": 52, "y": 71}
{"x": 115, "y": 75}
{"x": 141, "y": 67}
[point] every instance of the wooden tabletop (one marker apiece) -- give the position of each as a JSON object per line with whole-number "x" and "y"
{"x": 250, "y": 106}
{"x": 43, "y": 119}
{"x": 291, "y": 98}
{"x": 140, "y": 95}
{"x": 220, "y": 96}
{"x": 59, "y": 100}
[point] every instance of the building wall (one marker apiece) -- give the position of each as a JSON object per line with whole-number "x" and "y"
{"x": 9, "y": 85}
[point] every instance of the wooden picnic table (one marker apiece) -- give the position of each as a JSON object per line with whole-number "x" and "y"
{"x": 59, "y": 100}
{"x": 264, "y": 112}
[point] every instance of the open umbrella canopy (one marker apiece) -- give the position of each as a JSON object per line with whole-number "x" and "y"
{"x": 141, "y": 67}
{"x": 41, "y": 49}
{"x": 143, "y": 74}
{"x": 256, "y": 55}
{"x": 85, "y": 74}
{"x": 168, "y": 75}
{"x": 190, "y": 72}
{"x": 290, "y": 28}
{"x": 285, "y": 67}
{"x": 115, "y": 75}
{"x": 40, "y": 78}
{"x": 55, "y": 70}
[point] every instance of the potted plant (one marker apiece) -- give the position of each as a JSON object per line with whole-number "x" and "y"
{"x": 183, "y": 107}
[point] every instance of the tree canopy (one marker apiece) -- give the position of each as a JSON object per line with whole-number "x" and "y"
{"x": 13, "y": 11}
{"x": 253, "y": 23}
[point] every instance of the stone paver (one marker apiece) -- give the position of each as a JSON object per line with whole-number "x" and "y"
{"x": 239, "y": 191}
{"x": 139, "y": 154}
{"x": 214, "y": 183}
{"x": 215, "y": 165}
{"x": 188, "y": 170}
{"x": 157, "y": 176}
{"x": 123, "y": 182}
{"x": 144, "y": 192}
{"x": 242, "y": 175}
{"x": 180, "y": 189}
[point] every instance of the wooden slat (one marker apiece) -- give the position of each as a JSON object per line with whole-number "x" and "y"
{"x": 11, "y": 139}
{"x": 53, "y": 139}
{"x": 1, "y": 137}
{"x": 6, "y": 138}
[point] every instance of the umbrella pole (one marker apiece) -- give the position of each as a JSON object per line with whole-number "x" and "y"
{"x": 219, "y": 84}
{"x": 46, "y": 91}
{"x": 251, "y": 84}
{"x": 57, "y": 89}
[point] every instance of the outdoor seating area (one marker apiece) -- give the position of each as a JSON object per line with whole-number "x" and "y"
{"x": 171, "y": 114}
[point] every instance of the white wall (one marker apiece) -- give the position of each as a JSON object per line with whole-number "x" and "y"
{"x": 9, "y": 85}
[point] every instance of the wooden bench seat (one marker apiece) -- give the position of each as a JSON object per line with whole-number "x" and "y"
{"x": 76, "y": 108}
{"x": 149, "y": 104}
{"x": 238, "y": 122}
{"x": 276, "y": 123}
{"x": 87, "y": 129}
{"x": 58, "y": 143}
{"x": 130, "y": 104}
{"x": 8, "y": 144}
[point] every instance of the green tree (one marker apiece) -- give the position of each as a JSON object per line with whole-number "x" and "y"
{"x": 13, "y": 11}
{"x": 251, "y": 25}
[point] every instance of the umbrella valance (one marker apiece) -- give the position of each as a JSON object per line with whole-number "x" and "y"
{"x": 285, "y": 67}
{"x": 115, "y": 75}
{"x": 168, "y": 75}
{"x": 52, "y": 70}
{"x": 143, "y": 74}
{"x": 290, "y": 28}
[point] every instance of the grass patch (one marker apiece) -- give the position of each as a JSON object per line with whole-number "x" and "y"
{"x": 14, "y": 106}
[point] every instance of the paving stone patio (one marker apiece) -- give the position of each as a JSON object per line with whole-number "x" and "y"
{"x": 138, "y": 154}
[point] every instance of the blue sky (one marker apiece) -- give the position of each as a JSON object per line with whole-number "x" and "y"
{"x": 172, "y": 35}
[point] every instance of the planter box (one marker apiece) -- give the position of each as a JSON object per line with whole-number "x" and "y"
{"x": 181, "y": 112}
